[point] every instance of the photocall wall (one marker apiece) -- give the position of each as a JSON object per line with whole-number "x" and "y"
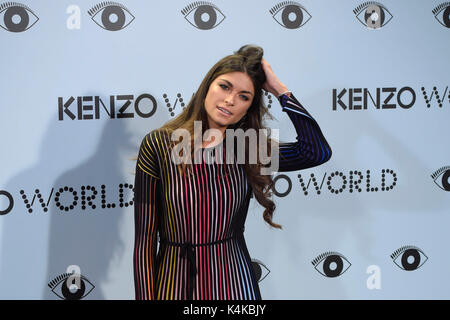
{"x": 82, "y": 82}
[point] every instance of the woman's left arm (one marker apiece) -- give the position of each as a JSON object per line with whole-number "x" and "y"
{"x": 310, "y": 148}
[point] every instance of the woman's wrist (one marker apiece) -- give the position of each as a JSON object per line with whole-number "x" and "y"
{"x": 281, "y": 90}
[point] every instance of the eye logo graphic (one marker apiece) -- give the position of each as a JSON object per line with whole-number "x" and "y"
{"x": 17, "y": 17}
{"x": 259, "y": 271}
{"x": 409, "y": 258}
{"x": 289, "y": 14}
{"x": 331, "y": 264}
{"x": 372, "y": 14}
{"x": 443, "y": 8}
{"x": 71, "y": 286}
{"x": 111, "y": 16}
{"x": 203, "y": 15}
{"x": 442, "y": 178}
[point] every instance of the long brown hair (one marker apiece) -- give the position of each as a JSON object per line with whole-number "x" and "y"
{"x": 248, "y": 60}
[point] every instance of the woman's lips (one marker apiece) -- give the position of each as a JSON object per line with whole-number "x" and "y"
{"x": 223, "y": 112}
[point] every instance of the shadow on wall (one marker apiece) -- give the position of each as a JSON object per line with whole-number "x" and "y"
{"x": 38, "y": 247}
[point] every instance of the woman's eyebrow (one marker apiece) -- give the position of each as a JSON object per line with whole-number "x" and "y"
{"x": 231, "y": 85}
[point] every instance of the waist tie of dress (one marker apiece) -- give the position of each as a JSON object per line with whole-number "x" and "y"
{"x": 187, "y": 251}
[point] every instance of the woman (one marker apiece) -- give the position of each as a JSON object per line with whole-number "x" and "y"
{"x": 198, "y": 208}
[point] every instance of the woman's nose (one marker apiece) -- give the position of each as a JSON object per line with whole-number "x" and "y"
{"x": 229, "y": 99}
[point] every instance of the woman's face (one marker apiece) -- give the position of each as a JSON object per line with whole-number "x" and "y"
{"x": 228, "y": 99}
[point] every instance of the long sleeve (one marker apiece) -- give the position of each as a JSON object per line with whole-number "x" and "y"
{"x": 310, "y": 148}
{"x": 146, "y": 221}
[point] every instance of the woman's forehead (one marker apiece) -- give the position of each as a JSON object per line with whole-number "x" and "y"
{"x": 239, "y": 80}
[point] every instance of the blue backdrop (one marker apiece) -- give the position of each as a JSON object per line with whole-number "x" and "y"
{"x": 83, "y": 81}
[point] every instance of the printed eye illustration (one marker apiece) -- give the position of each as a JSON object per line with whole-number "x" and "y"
{"x": 372, "y": 14}
{"x": 259, "y": 271}
{"x": 17, "y": 17}
{"x": 203, "y": 15}
{"x": 290, "y": 14}
{"x": 409, "y": 258}
{"x": 114, "y": 16}
{"x": 65, "y": 286}
{"x": 443, "y": 18}
{"x": 442, "y": 178}
{"x": 331, "y": 264}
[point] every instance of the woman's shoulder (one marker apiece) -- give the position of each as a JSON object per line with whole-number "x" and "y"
{"x": 151, "y": 151}
{"x": 157, "y": 135}
{"x": 154, "y": 142}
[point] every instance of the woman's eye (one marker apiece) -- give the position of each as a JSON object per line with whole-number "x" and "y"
{"x": 245, "y": 98}
{"x": 223, "y": 86}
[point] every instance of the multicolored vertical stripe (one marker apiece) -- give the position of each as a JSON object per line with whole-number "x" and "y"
{"x": 200, "y": 218}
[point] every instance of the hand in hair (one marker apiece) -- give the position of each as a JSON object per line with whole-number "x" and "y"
{"x": 272, "y": 84}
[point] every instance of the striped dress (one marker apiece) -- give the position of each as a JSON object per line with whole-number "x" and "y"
{"x": 189, "y": 241}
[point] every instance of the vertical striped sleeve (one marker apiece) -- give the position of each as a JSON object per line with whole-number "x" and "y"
{"x": 310, "y": 148}
{"x": 148, "y": 154}
{"x": 145, "y": 221}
